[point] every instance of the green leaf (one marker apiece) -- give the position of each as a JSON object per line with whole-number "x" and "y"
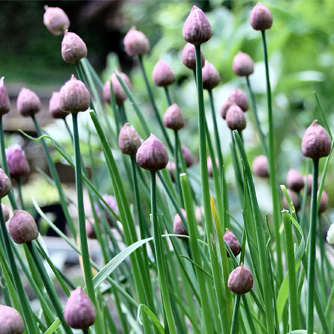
{"x": 153, "y": 317}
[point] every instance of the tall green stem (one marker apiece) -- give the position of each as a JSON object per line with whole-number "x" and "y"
{"x": 19, "y": 190}
{"x": 235, "y": 314}
{"x": 177, "y": 167}
{"x": 272, "y": 170}
{"x": 169, "y": 100}
{"x": 311, "y": 254}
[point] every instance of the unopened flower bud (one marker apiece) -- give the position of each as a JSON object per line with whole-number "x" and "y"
{"x": 74, "y": 96}
{"x": 111, "y": 201}
{"x": 22, "y": 227}
{"x": 152, "y": 154}
{"x": 173, "y": 118}
{"x": 128, "y": 140}
{"x": 209, "y": 164}
{"x": 235, "y": 118}
{"x": 330, "y": 235}
{"x": 188, "y": 157}
{"x": 260, "y": 166}
{"x": 120, "y": 95}
{"x": 11, "y": 321}
{"x": 136, "y": 43}
{"x": 197, "y": 28}
{"x": 56, "y": 20}
{"x": 238, "y": 97}
{"x": 4, "y": 184}
{"x": 80, "y": 312}
{"x": 260, "y": 17}
{"x": 178, "y": 225}
{"x": 5, "y": 212}
{"x": 243, "y": 64}
{"x": 294, "y": 180}
{"x": 163, "y": 75}
{"x": 226, "y": 106}
{"x": 316, "y": 142}
{"x": 232, "y": 242}
{"x": 211, "y": 77}
{"x": 17, "y": 162}
{"x": 189, "y": 57}
{"x": 294, "y": 198}
{"x": 323, "y": 204}
{"x": 54, "y": 107}
{"x": 240, "y": 280}
{"x": 90, "y": 230}
{"x": 171, "y": 167}
{"x": 73, "y": 48}
{"x": 28, "y": 103}
{"x": 4, "y": 98}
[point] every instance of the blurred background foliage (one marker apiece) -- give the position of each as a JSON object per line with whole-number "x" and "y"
{"x": 300, "y": 46}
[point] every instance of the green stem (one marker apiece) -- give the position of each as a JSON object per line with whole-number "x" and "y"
{"x": 19, "y": 190}
{"x": 177, "y": 167}
{"x": 161, "y": 266}
{"x": 272, "y": 169}
{"x": 122, "y": 114}
{"x": 311, "y": 254}
{"x": 169, "y": 100}
{"x": 68, "y": 129}
{"x": 235, "y": 314}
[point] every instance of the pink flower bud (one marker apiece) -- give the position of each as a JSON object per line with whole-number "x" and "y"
{"x": 189, "y": 57}
{"x": 209, "y": 164}
{"x": 22, "y": 227}
{"x": 73, "y": 48}
{"x": 56, "y": 20}
{"x": 197, "y": 29}
{"x": 5, "y": 184}
{"x": 11, "y": 321}
{"x": 226, "y": 106}
{"x": 260, "y": 166}
{"x": 178, "y": 226}
{"x": 5, "y": 212}
{"x": 120, "y": 95}
{"x": 211, "y": 77}
{"x": 90, "y": 230}
{"x": 111, "y": 201}
{"x": 136, "y": 43}
{"x": 163, "y": 75}
{"x": 238, "y": 97}
{"x": 188, "y": 157}
{"x": 294, "y": 180}
{"x": 243, "y": 64}
{"x": 240, "y": 280}
{"x": 173, "y": 118}
{"x": 235, "y": 118}
{"x": 232, "y": 242}
{"x": 28, "y": 103}
{"x": 294, "y": 198}
{"x": 74, "y": 96}
{"x": 323, "y": 205}
{"x": 128, "y": 140}
{"x": 261, "y": 17}
{"x": 17, "y": 162}
{"x": 4, "y": 98}
{"x": 54, "y": 107}
{"x": 152, "y": 154}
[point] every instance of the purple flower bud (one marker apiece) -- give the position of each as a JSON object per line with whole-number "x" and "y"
{"x": 209, "y": 164}
{"x": 240, "y": 280}
{"x": 171, "y": 167}
{"x": 128, "y": 140}
{"x": 80, "y": 312}
{"x": 235, "y": 118}
{"x": 22, "y": 227}
{"x": 90, "y": 230}
{"x": 163, "y": 75}
{"x": 5, "y": 184}
{"x": 294, "y": 180}
{"x": 189, "y": 57}
{"x": 120, "y": 95}
{"x": 188, "y": 157}
{"x": 226, "y": 106}
{"x": 74, "y": 96}
{"x": 152, "y": 154}
{"x": 211, "y": 77}
{"x": 5, "y": 212}
{"x": 54, "y": 107}
{"x": 316, "y": 142}
{"x": 28, "y": 103}
{"x": 4, "y": 98}
{"x": 294, "y": 198}
{"x": 323, "y": 204}
{"x": 260, "y": 17}
{"x": 73, "y": 48}
{"x": 243, "y": 64}
{"x": 260, "y": 166}
{"x": 238, "y": 97}
{"x": 17, "y": 162}
{"x": 111, "y": 201}
{"x": 197, "y": 29}
{"x": 232, "y": 242}
{"x": 178, "y": 226}
{"x": 11, "y": 321}
{"x": 136, "y": 43}
{"x": 56, "y": 20}
{"x": 173, "y": 118}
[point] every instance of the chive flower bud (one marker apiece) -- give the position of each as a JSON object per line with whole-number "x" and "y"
{"x": 188, "y": 157}
{"x": 5, "y": 184}
{"x": 163, "y": 75}
{"x": 243, "y": 64}
{"x": 197, "y": 28}
{"x": 189, "y": 57}
{"x": 73, "y": 48}
{"x": 56, "y": 20}
{"x": 22, "y": 227}
{"x": 294, "y": 180}
{"x": 260, "y": 17}
{"x": 226, "y": 106}
{"x": 128, "y": 140}
{"x": 4, "y": 98}
{"x": 28, "y": 103}
{"x": 11, "y": 321}
{"x": 54, "y": 107}
{"x": 80, "y": 312}
{"x": 111, "y": 201}
{"x": 5, "y": 212}
{"x": 178, "y": 226}
{"x": 90, "y": 230}
{"x": 152, "y": 154}
{"x": 120, "y": 95}
{"x": 136, "y": 43}
{"x": 232, "y": 242}
{"x": 330, "y": 235}
{"x": 238, "y": 97}
{"x": 211, "y": 77}
{"x": 173, "y": 118}
{"x": 74, "y": 96}
{"x": 17, "y": 162}
{"x": 294, "y": 198}
{"x": 240, "y": 280}
{"x": 171, "y": 167}
{"x": 235, "y": 118}
{"x": 209, "y": 164}
{"x": 260, "y": 166}
{"x": 316, "y": 142}
{"x": 323, "y": 204}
